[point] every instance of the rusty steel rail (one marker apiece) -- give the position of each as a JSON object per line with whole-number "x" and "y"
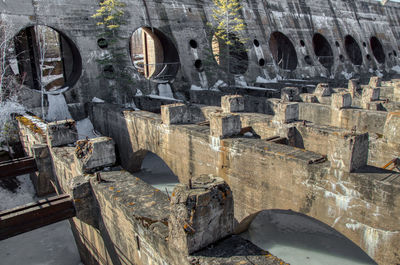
{"x": 35, "y": 215}
{"x": 17, "y": 167}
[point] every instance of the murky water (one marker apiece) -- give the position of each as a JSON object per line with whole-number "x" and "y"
{"x": 297, "y": 239}
{"x": 156, "y": 173}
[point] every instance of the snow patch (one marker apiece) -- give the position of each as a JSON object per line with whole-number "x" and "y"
{"x": 165, "y": 91}
{"x": 396, "y": 69}
{"x": 58, "y": 108}
{"x": 97, "y": 100}
{"x": 7, "y": 108}
{"x": 24, "y": 194}
{"x": 196, "y": 88}
{"x": 347, "y": 75}
{"x": 263, "y": 80}
{"x": 85, "y": 129}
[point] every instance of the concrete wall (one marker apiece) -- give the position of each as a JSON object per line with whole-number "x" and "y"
{"x": 186, "y": 20}
{"x": 265, "y": 175}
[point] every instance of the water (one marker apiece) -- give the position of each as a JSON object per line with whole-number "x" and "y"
{"x": 156, "y": 173}
{"x": 299, "y": 240}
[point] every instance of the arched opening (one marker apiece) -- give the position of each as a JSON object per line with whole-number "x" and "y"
{"x": 46, "y": 58}
{"x": 155, "y": 172}
{"x": 153, "y": 54}
{"x": 323, "y": 50}
{"x": 230, "y": 54}
{"x": 300, "y": 239}
{"x": 283, "y": 51}
{"x": 377, "y": 49}
{"x": 353, "y": 50}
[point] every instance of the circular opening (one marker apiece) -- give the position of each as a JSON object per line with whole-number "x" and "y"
{"x": 322, "y": 50}
{"x": 368, "y": 57}
{"x": 364, "y": 44}
{"x": 46, "y": 58}
{"x": 337, "y": 44}
{"x": 102, "y": 43}
{"x": 261, "y": 62}
{"x": 302, "y": 43}
{"x": 283, "y": 51}
{"x": 308, "y": 60}
{"x": 153, "y": 54}
{"x": 353, "y": 50}
{"x": 256, "y": 43}
{"x": 377, "y": 49}
{"x": 341, "y": 58}
{"x": 193, "y": 44}
{"x": 198, "y": 64}
{"x": 108, "y": 72}
{"x": 230, "y": 55}
{"x": 394, "y": 53}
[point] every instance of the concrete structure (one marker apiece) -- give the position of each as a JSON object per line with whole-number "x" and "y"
{"x": 324, "y": 161}
{"x": 331, "y": 40}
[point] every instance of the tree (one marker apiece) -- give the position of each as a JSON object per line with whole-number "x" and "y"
{"x": 111, "y": 16}
{"x": 228, "y": 28}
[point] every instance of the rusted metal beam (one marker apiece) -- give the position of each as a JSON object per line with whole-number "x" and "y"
{"x": 17, "y": 167}
{"x": 35, "y": 215}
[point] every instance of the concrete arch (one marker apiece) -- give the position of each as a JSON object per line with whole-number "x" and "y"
{"x": 283, "y": 51}
{"x": 295, "y": 230}
{"x": 323, "y": 50}
{"x": 353, "y": 50}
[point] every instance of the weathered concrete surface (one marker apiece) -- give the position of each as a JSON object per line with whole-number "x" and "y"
{"x": 185, "y": 20}
{"x": 41, "y": 179}
{"x": 61, "y": 133}
{"x": 266, "y": 175}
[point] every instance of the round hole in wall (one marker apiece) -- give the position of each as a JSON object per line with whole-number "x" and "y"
{"x": 368, "y": 57}
{"x": 337, "y": 44}
{"x": 341, "y": 58}
{"x": 364, "y": 44}
{"x": 108, "y": 71}
{"x": 62, "y": 64}
{"x": 261, "y": 62}
{"x": 322, "y": 50}
{"x": 102, "y": 43}
{"x": 256, "y": 43}
{"x": 394, "y": 53}
{"x": 153, "y": 54}
{"x": 283, "y": 51}
{"x": 198, "y": 64}
{"x": 193, "y": 44}
{"x": 353, "y": 50}
{"x": 308, "y": 59}
{"x": 377, "y": 49}
{"x": 302, "y": 43}
{"x": 190, "y": 10}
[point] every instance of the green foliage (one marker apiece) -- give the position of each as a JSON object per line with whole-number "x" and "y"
{"x": 110, "y": 17}
{"x": 228, "y": 43}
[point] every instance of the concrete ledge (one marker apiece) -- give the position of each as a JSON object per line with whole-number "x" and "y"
{"x": 61, "y": 133}
{"x": 223, "y": 125}
{"x": 232, "y": 103}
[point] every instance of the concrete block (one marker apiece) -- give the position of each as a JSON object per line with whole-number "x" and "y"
{"x": 308, "y": 98}
{"x": 285, "y": 112}
{"x": 84, "y": 201}
{"x": 391, "y": 130}
{"x": 354, "y": 88}
{"x": 94, "y": 153}
{"x": 375, "y": 81}
{"x": 341, "y": 100}
{"x": 370, "y": 94}
{"x": 290, "y": 94}
{"x": 223, "y": 125}
{"x": 323, "y": 90}
{"x": 41, "y": 179}
{"x": 348, "y": 152}
{"x": 175, "y": 114}
{"x": 232, "y": 103}
{"x": 61, "y": 133}
{"x": 200, "y": 215}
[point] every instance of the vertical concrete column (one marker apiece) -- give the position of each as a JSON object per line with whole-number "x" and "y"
{"x": 375, "y": 81}
{"x": 232, "y": 103}
{"x": 175, "y": 114}
{"x": 200, "y": 214}
{"x": 341, "y": 100}
{"x": 354, "y": 88}
{"x": 61, "y": 133}
{"x": 323, "y": 93}
{"x": 42, "y": 178}
{"x": 369, "y": 95}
